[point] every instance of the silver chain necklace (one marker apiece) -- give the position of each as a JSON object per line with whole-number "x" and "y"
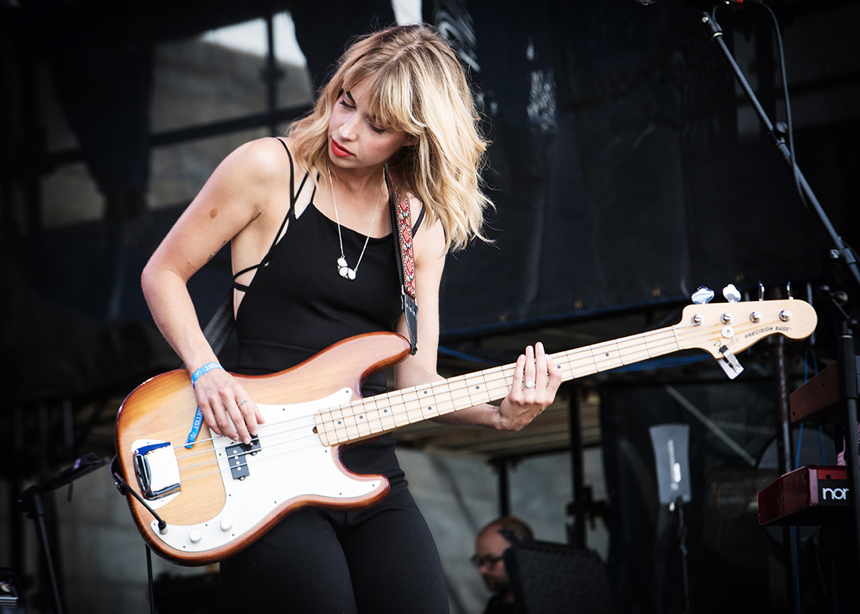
{"x": 343, "y": 267}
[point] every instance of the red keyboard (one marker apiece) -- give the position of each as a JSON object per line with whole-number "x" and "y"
{"x": 808, "y": 496}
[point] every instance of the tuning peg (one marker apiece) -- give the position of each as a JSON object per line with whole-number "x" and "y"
{"x": 788, "y": 290}
{"x": 703, "y": 296}
{"x": 731, "y": 293}
{"x": 760, "y": 291}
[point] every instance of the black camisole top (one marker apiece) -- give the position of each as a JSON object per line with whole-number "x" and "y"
{"x": 298, "y": 304}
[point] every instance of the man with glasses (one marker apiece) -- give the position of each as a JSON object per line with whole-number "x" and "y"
{"x": 490, "y": 545}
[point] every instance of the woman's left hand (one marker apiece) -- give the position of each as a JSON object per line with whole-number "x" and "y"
{"x": 535, "y": 383}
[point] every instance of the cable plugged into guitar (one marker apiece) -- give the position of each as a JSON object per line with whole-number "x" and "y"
{"x": 125, "y": 489}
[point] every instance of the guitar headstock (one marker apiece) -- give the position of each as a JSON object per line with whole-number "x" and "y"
{"x": 721, "y": 328}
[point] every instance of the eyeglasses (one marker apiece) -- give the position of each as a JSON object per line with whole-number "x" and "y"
{"x": 487, "y": 559}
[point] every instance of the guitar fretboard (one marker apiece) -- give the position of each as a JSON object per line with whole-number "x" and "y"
{"x": 385, "y": 412}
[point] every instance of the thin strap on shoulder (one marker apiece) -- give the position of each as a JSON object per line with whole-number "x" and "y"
{"x": 294, "y": 194}
{"x": 290, "y": 214}
{"x": 292, "y": 171}
{"x": 420, "y": 219}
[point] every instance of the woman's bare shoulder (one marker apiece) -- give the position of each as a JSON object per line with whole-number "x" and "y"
{"x": 429, "y": 239}
{"x": 261, "y": 159}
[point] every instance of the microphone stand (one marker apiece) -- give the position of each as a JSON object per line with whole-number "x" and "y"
{"x": 843, "y": 257}
{"x": 682, "y": 546}
{"x": 30, "y": 502}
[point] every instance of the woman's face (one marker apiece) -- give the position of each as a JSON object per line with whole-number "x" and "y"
{"x": 356, "y": 140}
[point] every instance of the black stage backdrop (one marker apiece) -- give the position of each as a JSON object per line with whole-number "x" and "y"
{"x": 618, "y": 167}
{"x": 626, "y": 168}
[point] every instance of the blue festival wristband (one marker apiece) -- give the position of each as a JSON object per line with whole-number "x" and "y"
{"x": 204, "y": 369}
{"x": 195, "y": 428}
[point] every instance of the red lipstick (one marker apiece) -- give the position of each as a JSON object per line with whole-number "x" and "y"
{"x": 338, "y": 150}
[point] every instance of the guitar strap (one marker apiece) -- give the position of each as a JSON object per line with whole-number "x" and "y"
{"x": 401, "y": 225}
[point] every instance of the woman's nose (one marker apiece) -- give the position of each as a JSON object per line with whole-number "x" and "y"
{"x": 347, "y": 128}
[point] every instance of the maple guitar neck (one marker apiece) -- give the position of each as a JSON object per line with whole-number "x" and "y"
{"x": 719, "y": 328}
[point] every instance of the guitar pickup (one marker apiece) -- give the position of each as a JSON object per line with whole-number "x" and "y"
{"x": 236, "y": 457}
{"x": 157, "y": 469}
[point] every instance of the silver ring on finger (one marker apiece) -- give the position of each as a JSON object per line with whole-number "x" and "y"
{"x": 529, "y": 385}
{"x": 242, "y": 402}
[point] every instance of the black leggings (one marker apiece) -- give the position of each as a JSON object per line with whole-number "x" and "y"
{"x": 374, "y": 561}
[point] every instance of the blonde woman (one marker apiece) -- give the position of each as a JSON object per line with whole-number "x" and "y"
{"x": 313, "y": 254}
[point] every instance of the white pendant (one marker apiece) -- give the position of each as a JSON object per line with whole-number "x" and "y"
{"x": 344, "y": 270}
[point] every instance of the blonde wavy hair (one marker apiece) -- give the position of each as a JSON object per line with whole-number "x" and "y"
{"x": 416, "y": 85}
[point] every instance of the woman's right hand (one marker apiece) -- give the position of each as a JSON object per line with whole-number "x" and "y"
{"x": 227, "y": 408}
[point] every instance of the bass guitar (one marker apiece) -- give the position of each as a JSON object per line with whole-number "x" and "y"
{"x": 198, "y": 503}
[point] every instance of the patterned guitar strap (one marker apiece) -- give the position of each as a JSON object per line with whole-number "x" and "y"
{"x": 401, "y": 222}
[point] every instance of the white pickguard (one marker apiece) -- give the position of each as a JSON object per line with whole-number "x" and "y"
{"x": 292, "y": 462}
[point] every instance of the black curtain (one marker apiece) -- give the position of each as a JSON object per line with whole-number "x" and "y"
{"x": 625, "y": 167}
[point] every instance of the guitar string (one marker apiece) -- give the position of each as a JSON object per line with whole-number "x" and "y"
{"x": 357, "y": 402}
{"x": 668, "y": 337}
{"x": 313, "y": 439}
{"x": 213, "y": 439}
{"x": 589, "y": 356}
{"x": 366, "y": 406}
{"x": 270, "y": 456}
{"x": 491, "y": 377}
{"x": 364, "y": 403}
{"x": 654, "y": 343}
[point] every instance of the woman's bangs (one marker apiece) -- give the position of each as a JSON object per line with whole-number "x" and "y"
{"x": 389, "y": 103}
